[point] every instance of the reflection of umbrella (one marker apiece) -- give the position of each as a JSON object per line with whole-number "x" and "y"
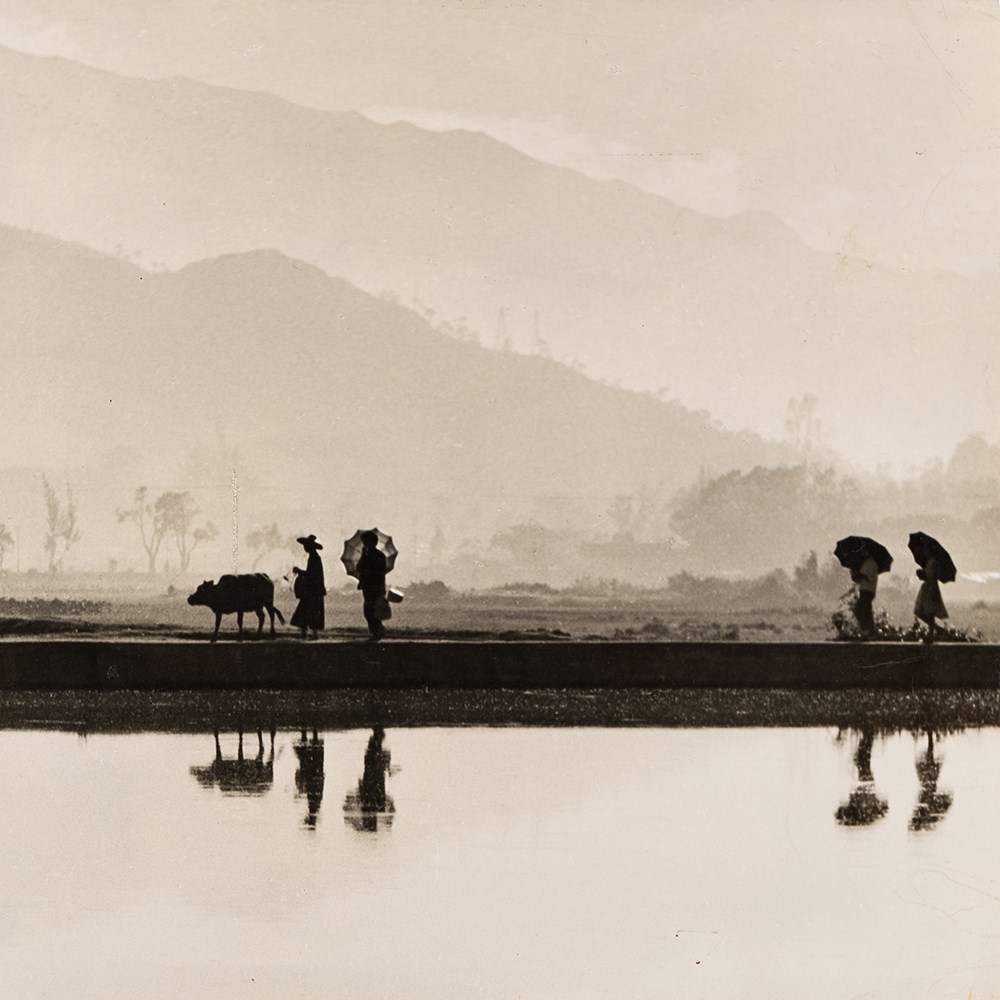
{"x": 353, "y": 549}
{"x": 853, "y": 550}
{"x": 862, "y": 807}
{"x": 931, "y": 804}
{"x": 925, "y": 547}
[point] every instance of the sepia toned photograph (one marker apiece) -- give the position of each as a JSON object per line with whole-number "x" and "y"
{"x": 500, "y": 499}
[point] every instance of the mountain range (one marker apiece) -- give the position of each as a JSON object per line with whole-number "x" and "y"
{"x": 327, "y": 404}
{"x": 735, "y": 316}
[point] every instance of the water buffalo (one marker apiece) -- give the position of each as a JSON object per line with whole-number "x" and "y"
{"x": 246, "y": 592}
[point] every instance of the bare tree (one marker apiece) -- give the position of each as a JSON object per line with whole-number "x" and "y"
{"x": 178, "y": 513}
{"x": 62, "y": 531}
{"x": 265, "y": 540}
{"x": 6, "y": 543}
{"x": 150, "y": 522}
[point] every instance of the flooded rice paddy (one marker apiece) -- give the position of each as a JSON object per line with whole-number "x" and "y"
{"x": 537, "y": 862}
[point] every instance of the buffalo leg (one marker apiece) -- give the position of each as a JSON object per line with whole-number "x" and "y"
{"x": 218, "y": 622}
{"x": 239, "y": 622}
{"x": 260, "y": 621}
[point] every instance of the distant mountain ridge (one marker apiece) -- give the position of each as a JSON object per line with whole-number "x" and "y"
{"x": 732, "y": 315}
{"x": 335, "y": 401}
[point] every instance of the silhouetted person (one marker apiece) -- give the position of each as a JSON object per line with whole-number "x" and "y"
{"x": 370, "y": 801}
{"x": 863, "y": 805}
{"x": 310, "y": 589}
{"x": 241, "y": 776}
{"x": 371, "y": 582}
{"x": 929, "y": 604}
{"x": 309, "y": 778}
{"x": 931, "y": 804}
{"x": 866, "y": 577}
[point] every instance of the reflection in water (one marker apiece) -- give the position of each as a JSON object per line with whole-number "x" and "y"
{"x": 539, "y": 855}
{"x": 241, "y": 776}
{"x": 368, "y": 807}
{"x": 365, "y": 808}
{"x": 931, "y": 804}
{"x": 863, "y": 806}
{"x": 309, "y": 777}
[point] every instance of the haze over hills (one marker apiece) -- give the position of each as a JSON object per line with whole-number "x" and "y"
{"x": 735, "y": 316}
{"x": 330, "y": 405}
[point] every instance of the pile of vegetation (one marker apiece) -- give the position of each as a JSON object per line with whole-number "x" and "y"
{"x": 845, "y": 627}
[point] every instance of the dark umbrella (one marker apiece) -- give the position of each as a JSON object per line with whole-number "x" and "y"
{"x": 925, "y": 547}
{"x": 353, "y": 548}
{"x": 853, "y": 550}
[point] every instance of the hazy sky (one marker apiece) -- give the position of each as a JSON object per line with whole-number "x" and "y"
{"x": 870, "y": 126}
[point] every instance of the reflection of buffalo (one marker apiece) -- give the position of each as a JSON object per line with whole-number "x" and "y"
{"x": 243, "y": 776}
{"x": 246, "y": 592}
{"x": 363, "y": 808}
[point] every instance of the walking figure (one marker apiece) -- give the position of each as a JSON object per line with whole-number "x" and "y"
{"x": 935, "y": 567}
{"x": 866, "y": 578}
{"x": 372, "y": 568}
{"x": 310, "y": 589}
{"x": 865, "y": 558}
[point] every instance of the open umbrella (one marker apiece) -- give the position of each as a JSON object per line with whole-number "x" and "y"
{"x": 853, "y": 550}
{"x": 925, "y": 547}
{"x": 353, "y": 549}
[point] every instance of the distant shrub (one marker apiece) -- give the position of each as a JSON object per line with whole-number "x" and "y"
{"x": 36, "y": 607}
{"x": 603, "y": 587}
{"x": 522, "y": 588}
{"x": 429, "y": 590}
{"x": 685, "y": 631}
{"x": 774, "y": 590}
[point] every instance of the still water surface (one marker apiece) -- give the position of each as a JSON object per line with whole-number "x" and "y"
{"x": 533, "y": 863}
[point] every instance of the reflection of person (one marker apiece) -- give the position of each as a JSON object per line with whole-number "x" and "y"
{"x": 309, "y": 778}
{"x": 931, "y": 804}
{"x": 371, "y": 788}
{"x": 929, "y": 604}
{"x": 863, "y": 806}
{"x": 371, "y": 582}
{"x": 866, "y": 577}
{"x": 370, "y": 801}
{"x": 310, "y": 589}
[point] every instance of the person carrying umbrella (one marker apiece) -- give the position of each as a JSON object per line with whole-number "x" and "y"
{"x": 310, "y": 589}
{"x": 865, "y": 558}
{"x": 935, "y": 564}
{"x": 866, "y": 577}
{"x": 372, "y": 567}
